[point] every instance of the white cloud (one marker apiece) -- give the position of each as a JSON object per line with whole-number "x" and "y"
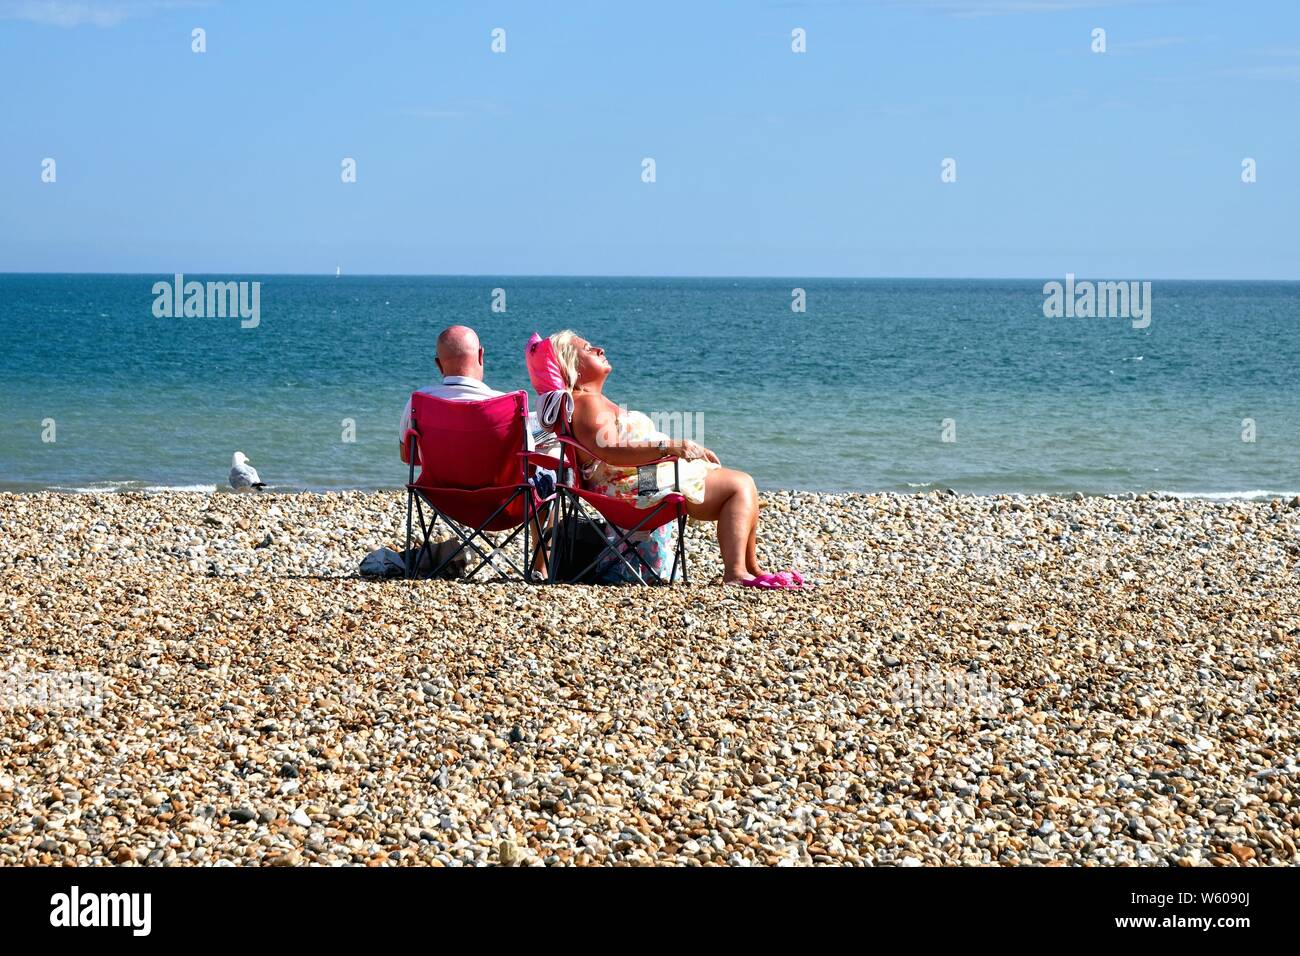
{"x": 1270, "y": 71}
{"x": 1289, "y": 72}
{"x": 1147, "y": 44}
{"x": 99, "y": 13}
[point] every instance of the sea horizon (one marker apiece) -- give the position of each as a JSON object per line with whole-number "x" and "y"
{"x": 244, "y": 274}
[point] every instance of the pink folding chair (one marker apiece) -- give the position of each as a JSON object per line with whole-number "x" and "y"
{"x": 474, "y": 461}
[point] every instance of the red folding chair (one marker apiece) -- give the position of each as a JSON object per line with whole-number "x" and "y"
{"x": 474, "y": 460}
{"x": 622, "y": 513}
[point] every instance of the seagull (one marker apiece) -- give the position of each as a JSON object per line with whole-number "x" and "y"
{"x": 243, "y": 475}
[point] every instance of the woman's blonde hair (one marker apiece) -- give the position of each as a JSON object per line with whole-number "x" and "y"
{"x": 566, "y": 353}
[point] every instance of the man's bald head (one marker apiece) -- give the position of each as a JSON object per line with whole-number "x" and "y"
{"x": 459, "y": 352}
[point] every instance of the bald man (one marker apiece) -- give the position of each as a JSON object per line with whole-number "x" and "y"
{"x": 460, "y": 359}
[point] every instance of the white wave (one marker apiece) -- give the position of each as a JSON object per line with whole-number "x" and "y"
{"x": 1228, "y": 495}
{"x": 112, "y": 487}
{"x": 104, "y": 487}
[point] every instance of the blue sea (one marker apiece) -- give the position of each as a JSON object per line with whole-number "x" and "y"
{"x": 881, "y": 384}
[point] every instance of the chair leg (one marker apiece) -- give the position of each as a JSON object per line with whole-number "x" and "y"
{"x": 571, "y": 525}
{"x": 565, "y": 536}
{"x": 426, "y": 547}
{"x": 410, "y": 497}
{"x": 426, "y": 532}
{"x": 681, "y": 545}
{"x": 557, "y": 519}
{"x": 653, "y": 575}
{"x": 543, "y": 550}
{"x": 676, "y": 556}
{"x": 406, "y": 553}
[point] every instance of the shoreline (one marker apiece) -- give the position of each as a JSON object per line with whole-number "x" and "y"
{"x": 973, "y": 681}
{"x": 127, "y": 488}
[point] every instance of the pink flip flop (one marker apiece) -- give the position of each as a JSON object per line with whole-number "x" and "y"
{"x": 781, "y": 580}
{"x": 764, "y": 582}
{"x": 790, "y": 580}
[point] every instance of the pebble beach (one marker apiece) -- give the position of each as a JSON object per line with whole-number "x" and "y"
{"x": 204, "y": 679}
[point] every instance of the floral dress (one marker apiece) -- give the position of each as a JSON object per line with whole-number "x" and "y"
{"x": 606, "y": 479}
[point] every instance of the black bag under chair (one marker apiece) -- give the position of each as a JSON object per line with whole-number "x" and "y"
{"x": 579, "y": 547}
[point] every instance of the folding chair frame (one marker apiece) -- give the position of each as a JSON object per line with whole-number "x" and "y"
{"x": 571, "y": 502}
{"x": 416, "y": 499}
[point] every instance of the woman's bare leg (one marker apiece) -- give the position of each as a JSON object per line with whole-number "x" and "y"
{"x": 731, "y": 500}
{"x": 751, "y": 549}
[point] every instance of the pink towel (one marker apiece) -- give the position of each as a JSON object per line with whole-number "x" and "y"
{"x": 543, "y": 367}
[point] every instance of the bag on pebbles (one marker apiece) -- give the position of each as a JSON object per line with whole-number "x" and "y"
{"x": 387, "y": 563}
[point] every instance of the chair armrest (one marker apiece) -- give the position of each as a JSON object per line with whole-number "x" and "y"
{"x": 565, "y": 439}
{"x": 407, "y": 457}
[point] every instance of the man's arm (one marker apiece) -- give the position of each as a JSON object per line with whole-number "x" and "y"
{"x": 401, "y": 435}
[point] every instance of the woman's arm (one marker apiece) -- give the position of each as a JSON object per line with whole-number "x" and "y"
{"x": 594, "y": 424}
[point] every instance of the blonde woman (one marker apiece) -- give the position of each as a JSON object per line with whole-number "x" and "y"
{"x": 625, "y": 439}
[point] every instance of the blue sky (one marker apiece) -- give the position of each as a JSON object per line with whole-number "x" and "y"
{"x": 827, "y": 163}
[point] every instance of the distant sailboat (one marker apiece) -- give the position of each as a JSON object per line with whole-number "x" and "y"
{"x": 338, "y": 271}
